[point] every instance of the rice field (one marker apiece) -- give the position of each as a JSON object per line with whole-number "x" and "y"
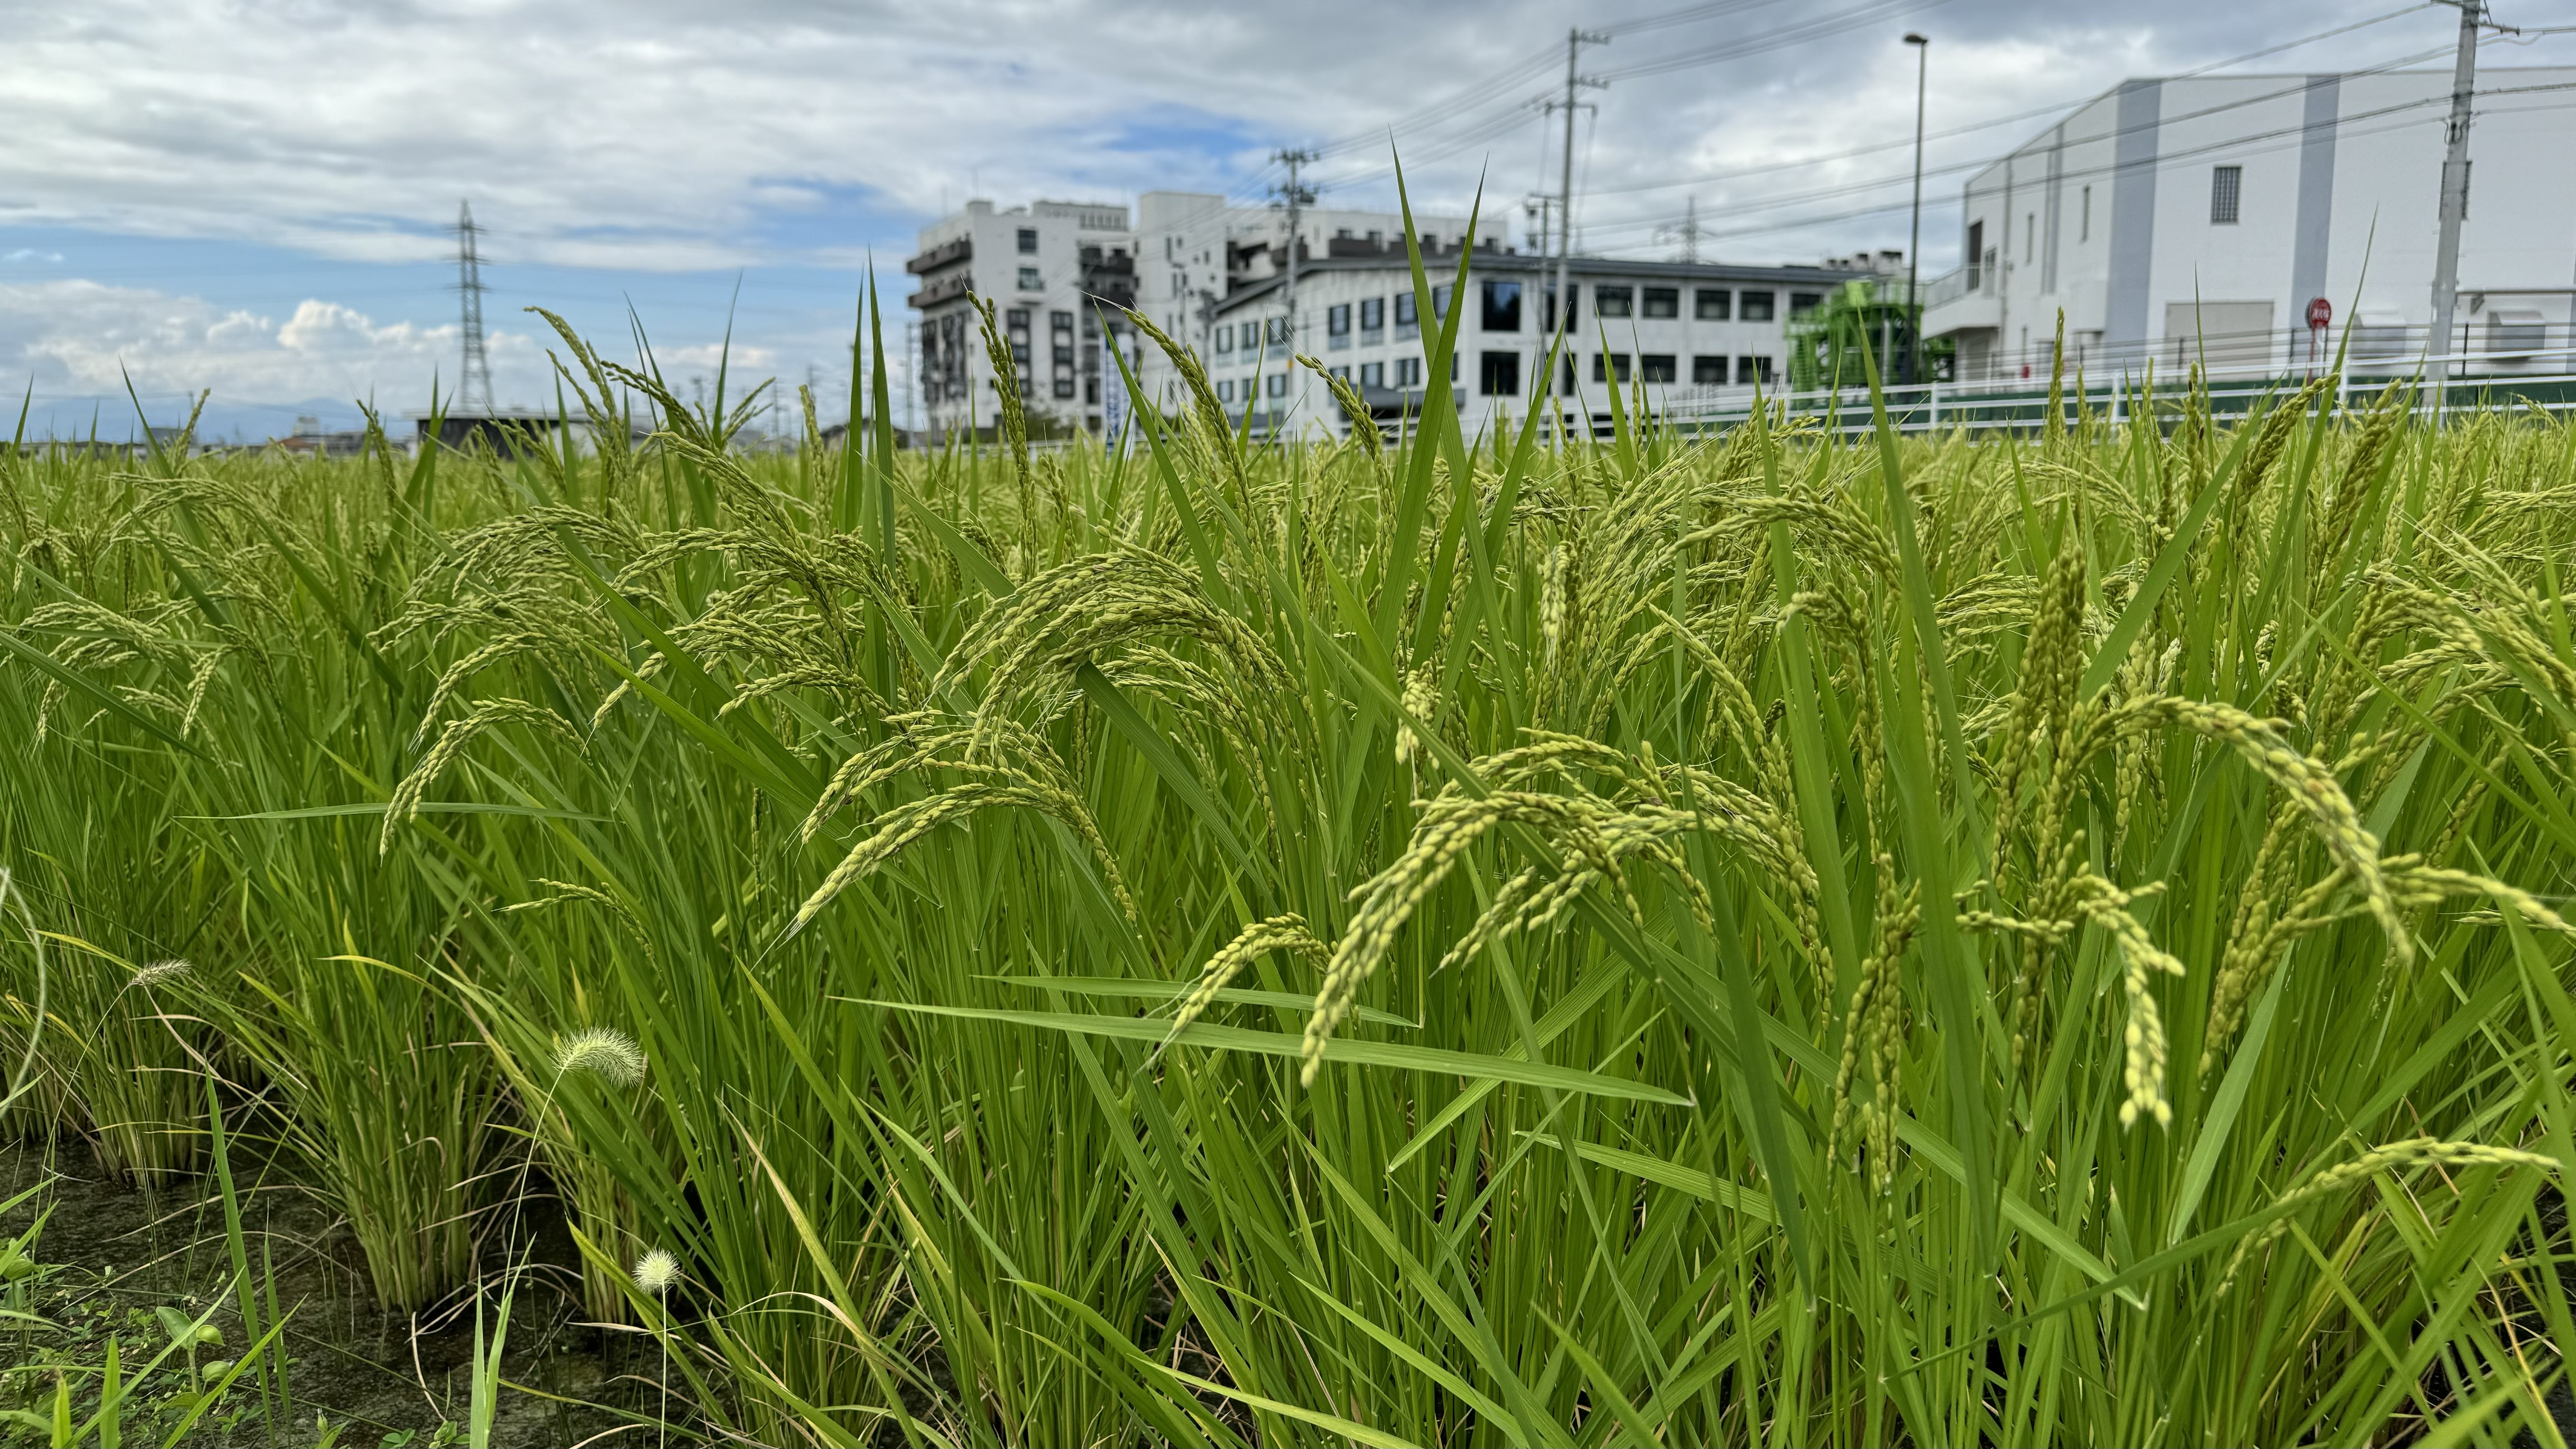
{"x": 1780, "y": 938}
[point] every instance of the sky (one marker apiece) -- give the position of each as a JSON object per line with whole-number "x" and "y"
{"x": 257, "y": 199}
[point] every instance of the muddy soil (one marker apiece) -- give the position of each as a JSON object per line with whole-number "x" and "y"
{"x": 359, "y": 1376}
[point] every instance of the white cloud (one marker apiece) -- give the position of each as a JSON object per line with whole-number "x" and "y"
{"x": 85, "y": 339}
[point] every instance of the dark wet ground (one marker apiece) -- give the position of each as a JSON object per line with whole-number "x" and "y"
{"x": 113, "y": 1256}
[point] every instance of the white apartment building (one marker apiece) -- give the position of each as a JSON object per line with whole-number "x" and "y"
{"x": 2176, "y": 219}
{"x": 1051, "y": 269}
{"x": 1678, "y": 328}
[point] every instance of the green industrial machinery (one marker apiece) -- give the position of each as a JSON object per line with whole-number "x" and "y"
{"x": 1825, "y": 343}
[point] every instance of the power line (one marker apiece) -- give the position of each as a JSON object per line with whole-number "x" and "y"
{"x": 1980, "y": 163}
{"x": 2031, "y": 114}
{"x": 2161, "y": 162}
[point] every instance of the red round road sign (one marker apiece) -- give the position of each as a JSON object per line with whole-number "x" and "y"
{"x": 2320, "y": 312}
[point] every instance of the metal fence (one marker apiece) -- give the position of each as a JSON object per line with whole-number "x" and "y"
{"x": 2020, "y": 406}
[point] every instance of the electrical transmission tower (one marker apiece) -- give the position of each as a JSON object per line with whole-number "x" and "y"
{"x": 474, "y": 391}
{"x": 1688, "y": 232}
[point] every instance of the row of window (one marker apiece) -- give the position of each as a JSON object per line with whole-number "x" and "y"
{"x": 1502, "y": 310}
{"x": 1498, "y": 374}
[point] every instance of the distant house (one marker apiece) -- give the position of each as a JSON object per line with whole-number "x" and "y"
{"x": 508, "y": 432}
{"x": 310, "y": 440}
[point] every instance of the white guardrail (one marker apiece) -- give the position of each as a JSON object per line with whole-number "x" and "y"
{"x": 2483, "y": 380}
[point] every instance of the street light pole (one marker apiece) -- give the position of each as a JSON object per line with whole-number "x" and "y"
{"x": 1914, "y": 246}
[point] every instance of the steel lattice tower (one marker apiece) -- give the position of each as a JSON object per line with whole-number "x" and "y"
{"x": 474, "y": 392}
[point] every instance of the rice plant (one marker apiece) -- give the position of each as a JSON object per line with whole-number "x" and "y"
{"x": 1777, "y": 937}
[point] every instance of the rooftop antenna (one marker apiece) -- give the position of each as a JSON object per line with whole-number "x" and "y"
{"x": 474, "y": 389}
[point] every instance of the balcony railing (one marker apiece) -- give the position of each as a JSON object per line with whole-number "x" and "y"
{"x": 955, "y": 250}
{"x": 1950, "y": 286}
{"x": 932, "y": 293}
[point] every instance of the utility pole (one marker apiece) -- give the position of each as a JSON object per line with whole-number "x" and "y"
{"x": 1914, "y": 245}
{"x": 1575, "y": 39}
{"x": 474, "y": 388}
{"x": 2455, "y": 189}
{"x": 1297, "y": 197}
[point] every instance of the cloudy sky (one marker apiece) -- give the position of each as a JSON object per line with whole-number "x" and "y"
{"x": 257, "y": 196}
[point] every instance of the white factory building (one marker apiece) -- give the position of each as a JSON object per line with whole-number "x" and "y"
{"x": 1677, "y": 328}
{"x": 2172, "y": 219}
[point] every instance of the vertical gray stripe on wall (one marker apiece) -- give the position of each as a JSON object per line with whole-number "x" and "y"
{"x": 2316, "y": 194}
{"x": 2133, "y": 209}
{"x": 2056, "y": 195}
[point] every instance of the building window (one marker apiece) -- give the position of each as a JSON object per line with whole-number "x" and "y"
{"x": 1016, "y": 319}
{"x": 1372, "y": 374}
{"x": 1551, "y": 308}
{"x": 1344, "y": 373}
{"x": 1503, "y": 309}
{"x": 1372, "y": 320}
{"x": 1607, "y": 364}
{"x": 1030, "y": 281}
{"x": 1498, "y": 374}
{"x": 1713, "y": 304}
{"x": 1061, "y": 323}
{"x": 1225, "y": 338}
{"x": 2084, "y": 222}
{"x": 1440, "y": 303}
{"x": 1406, "y": 324}
{"x": 1752, "y": 369}
{"x": 1337, "y": 325}
{"x": 2225, "y": 185}
{"x": 1657, "y": 366}
{"x": 1408, "y": 372}
{"x": 1754, "y": 307}
{"x": 1976, "y": 256}
{"x": 1064, "y": 387}
{"x": 1663, "y": 302}
{"x": 1614, "y": 302}
{"x": 1708, "y": 371}
{"x": 1028, "y": 241}
{"x": 1225, "y": 390}
{"x": 1091, "y": 391}
{"x": 1278, "y": 384}
{"x": 1802, "y": 303}
{"x": 1565, "y": 383}
{"x": 1277, "y": 327}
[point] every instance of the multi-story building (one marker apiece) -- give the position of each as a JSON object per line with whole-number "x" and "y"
{"x": 2206, "y": 217}
{"x": 1678, "y": 328}
{"x": 1051, "y": 270}
{"x": 1194, "y": 250}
